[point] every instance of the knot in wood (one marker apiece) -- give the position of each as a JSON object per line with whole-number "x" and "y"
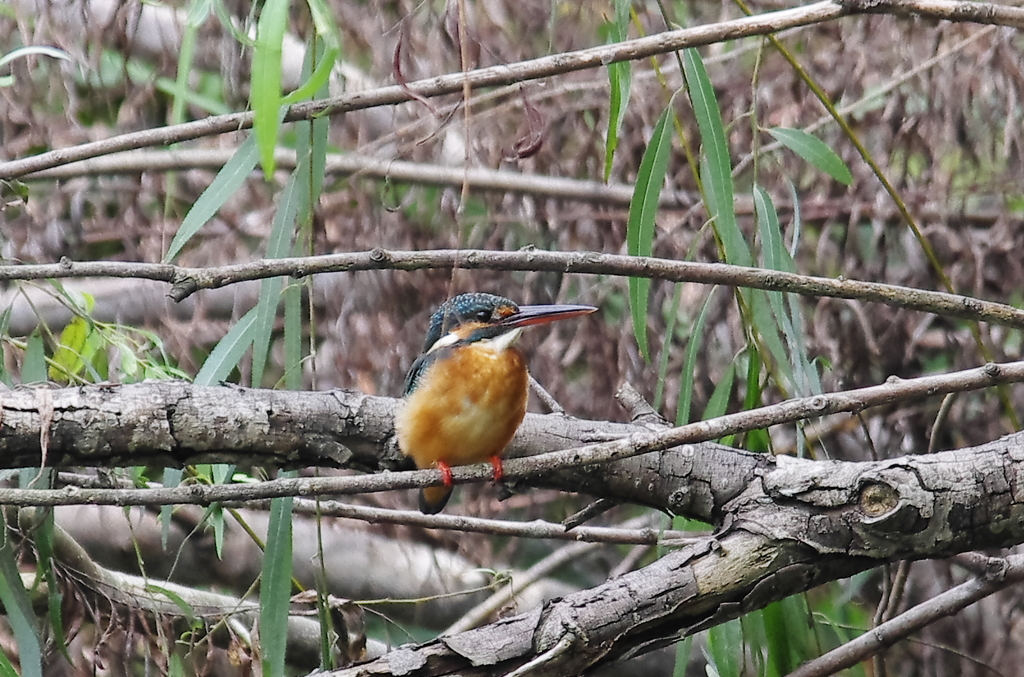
{"x": 877, "y": 499}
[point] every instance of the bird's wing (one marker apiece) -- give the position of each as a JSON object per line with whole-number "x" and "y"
{"x": 416, "y": 371}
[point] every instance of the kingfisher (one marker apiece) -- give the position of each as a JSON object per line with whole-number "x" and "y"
{"x": 465, "y": 396}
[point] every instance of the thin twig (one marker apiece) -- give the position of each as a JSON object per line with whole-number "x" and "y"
{"x": 494, "y": 527}
{"x": 557, "y": 64}
{"x": 1001, "y": 574}
{"x": 186, "y": 281}
{"x": 547, "y": 398}
{"x": 481, "y": 612}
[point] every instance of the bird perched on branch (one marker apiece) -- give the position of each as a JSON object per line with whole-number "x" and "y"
{"x": 465, "y": 396}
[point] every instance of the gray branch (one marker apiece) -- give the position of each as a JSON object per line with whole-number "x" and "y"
{"x": 186, "y": 281}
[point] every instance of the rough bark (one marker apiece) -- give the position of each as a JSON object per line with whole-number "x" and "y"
{"x": 784, "y": 525}
{"x": 796, "y": 525}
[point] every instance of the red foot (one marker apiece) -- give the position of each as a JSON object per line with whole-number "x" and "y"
{"x": 446, "y": 473}
{"x": 499, "y": 472}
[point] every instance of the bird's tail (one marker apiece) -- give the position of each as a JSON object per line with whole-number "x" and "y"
{"x": 433, "y": 499}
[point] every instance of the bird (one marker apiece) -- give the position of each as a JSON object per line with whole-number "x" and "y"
{"x": 465, "y": 396}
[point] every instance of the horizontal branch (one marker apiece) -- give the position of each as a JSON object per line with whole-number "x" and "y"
{"x": 176, "y": 423}
{"x": 186, "y": 281}
{"x": 137, "y": 162}
{"x": 946, "y": 10}
{"x": 534, "y": 529}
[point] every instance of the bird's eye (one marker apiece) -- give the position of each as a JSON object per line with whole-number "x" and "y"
{"x": 483, "y": 315}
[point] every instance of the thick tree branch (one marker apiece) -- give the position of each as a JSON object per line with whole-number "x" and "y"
{"x": 175, "y": 423}
{"x": 186, "y": 281}
{"x": 784, "y": 525}
{"x": 795, "y": 525}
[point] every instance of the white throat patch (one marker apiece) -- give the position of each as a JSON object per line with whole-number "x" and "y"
{"x": 502, "y": 342}
{"x": 498, "y": 344}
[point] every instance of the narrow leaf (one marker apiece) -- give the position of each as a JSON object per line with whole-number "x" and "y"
{"x": 265, "y": 90}
{"x": 33, "y": 369}
{"x": 806, "y": 381}
{"x": 294, "y": 207}
{"x": 716, "y": 167}
{"x": 228, "y": 180}
{"x": 643, "y": 208}
{"x": 316, "y": 81}
{"x": 620, "y": 78}
{"x": 229, "y": 351}
{"x": 813, "y": 150}
{"x": 686, "y": 385}
{"x": 326, "y": 26}
{"x": 44, "y": 571}
{"x": 725, "y": 646}
{"x": 275, "y": 587}
{"x": 19, "y": 610}
{"x": 197, "y": 14}
{"x": 718, "y": 403}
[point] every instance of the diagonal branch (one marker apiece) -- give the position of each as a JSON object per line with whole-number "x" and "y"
{"x": 594, "y": 57}
{"x": 792, "y": 528}
{"x": 999, "y": 574}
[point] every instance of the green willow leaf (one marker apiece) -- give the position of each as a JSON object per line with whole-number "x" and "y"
{"x": 643, "y": 208}
{"x": 715, "y": 165}
{"x": 813, "y": 150}
{"x": 265, "y": 89}
{"x": 33, "y": 369}
{"x": 326, "y": 26}
{"x": 276, "y": 587}
{"x": 228, "y": 180}
{"x": 229, "y": 350}
{"x": 197, "y": 14}
{"x": 620, "y": 79}
{"x": 718, "y": 403}
{"x": 316, "y": 81}
{"x": 725, "y": 648}
{"x": 19, "y": 610}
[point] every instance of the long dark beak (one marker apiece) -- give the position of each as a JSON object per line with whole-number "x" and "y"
{"x": 529, "y": 315}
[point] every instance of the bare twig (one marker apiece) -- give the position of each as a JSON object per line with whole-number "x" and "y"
{"x": 1001, "y": 573}
{"x": 186, "y": 281}
{"x": 136, "y": 162}
{"x": 492, "y": 604}
{"x": 533, "y": 529}
{"x": 541, "y": 569}
{"x": 595, "y": 57}
{"x": 544, "y": 396}
{"x": 592, "y": 510}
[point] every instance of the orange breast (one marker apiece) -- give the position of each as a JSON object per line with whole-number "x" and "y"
{"x": 465, "y": 408}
